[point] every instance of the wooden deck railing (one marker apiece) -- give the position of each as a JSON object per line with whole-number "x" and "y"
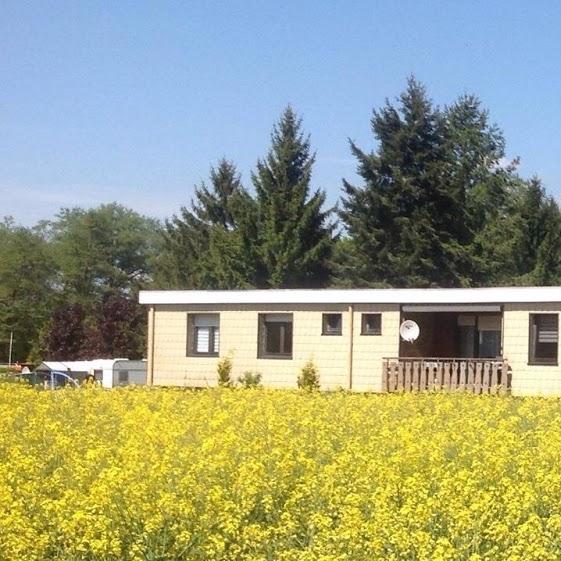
{"x": 474, "y": 375}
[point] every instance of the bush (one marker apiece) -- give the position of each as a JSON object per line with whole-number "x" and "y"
{"x": 309, "y": 377}
{"x": 224, "y": 369}
{"x": 250, "y": 379}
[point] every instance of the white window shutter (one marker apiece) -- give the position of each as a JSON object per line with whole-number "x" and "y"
{"x": 203, "y": 339}
{"x": 216, "y": 339}
{"x": 547, "y": 329}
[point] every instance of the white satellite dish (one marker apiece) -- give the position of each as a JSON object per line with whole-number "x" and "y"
{"x": 409, "y": 330}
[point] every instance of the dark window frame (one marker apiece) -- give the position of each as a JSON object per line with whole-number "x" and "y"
{"x": 192, "y": 336}
{"x": 325, "y": 323}
{"x": 532, "y": 335}
{"x": 262, "y": 337}
{"x": 364, "y": 321}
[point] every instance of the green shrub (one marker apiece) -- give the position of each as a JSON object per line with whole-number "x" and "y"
{"x": 250, "y": 379}
{"x": 224, "y": 369}
{"x": 309, "y": 377}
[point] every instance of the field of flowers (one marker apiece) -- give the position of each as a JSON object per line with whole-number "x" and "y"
{"x": 253, "y": 474}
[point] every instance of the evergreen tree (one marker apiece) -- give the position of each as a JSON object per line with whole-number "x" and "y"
{"x": 408, "y": 221}
{"x": 488, "y": 189}
{"x": 537, "y": 250}
{"x": 210, "y": 244}
{"x": 547, "y": 271}
{"x": 295, "y": 237}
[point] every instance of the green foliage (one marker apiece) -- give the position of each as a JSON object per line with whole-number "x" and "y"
{"x": 250, "y": 379}
{"x": 308, "y": 379}
{"x": 227, "y": 239}
{"x": 104, "y": 249}
{"x": 295, "y": 235}
{"x": 93, "y": 260}
{"x": 224, "y": 370}
{"x": 27, "y": 278}
{"x": 210, "y": 244}
{"x": 406, "y": 222}
{"x": 438, "y": 207}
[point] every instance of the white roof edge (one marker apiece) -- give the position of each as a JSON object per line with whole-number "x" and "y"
{"x": 511, "y": 294}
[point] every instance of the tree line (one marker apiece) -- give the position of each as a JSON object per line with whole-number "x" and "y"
{"x": 435, "y": 204}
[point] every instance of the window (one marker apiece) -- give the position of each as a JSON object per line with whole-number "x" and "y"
{"x": 489, "y": 344}
{"x": 275, "y": 336}
{"x": 332, "y": 324}
{"x": 203, "y": 334}
{"x": 371, "y": 324}
{"x": 544, "y": 336}
{"x": 123, "y": 377}
{"x": 490, "y": 331}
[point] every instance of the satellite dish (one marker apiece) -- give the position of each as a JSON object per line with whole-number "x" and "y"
{"x": 409, "y": 330}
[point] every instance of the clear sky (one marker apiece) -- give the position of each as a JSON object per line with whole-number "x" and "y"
{"x": 132, "y": 101}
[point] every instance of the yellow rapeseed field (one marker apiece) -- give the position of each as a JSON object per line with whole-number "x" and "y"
{"x": 157, "y": 474}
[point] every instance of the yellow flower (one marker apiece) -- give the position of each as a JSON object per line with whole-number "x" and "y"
{"x": 232, "y": 475}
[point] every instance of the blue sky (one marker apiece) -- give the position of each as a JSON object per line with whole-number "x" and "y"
{"x": 132, "y": 101}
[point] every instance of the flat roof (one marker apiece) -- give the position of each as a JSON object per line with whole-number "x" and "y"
{"x": 80, "y": 365}
{"x": 498, "y": 295}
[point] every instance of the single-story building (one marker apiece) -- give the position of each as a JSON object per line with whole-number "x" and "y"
{"x": 480, "y": 339}
{"x": 108, "y": 372}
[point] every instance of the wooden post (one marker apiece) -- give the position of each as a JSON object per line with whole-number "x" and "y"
{"x": 447, "y": 381}
{"x": 503, "y": 388}
{"x": 463, "y": 375}
{"x": 439, "y": 375}
{"x": 423, "y": 376}
{"x": 392, "y": 369}
{"x": 478, "y": 377}
{"x": 471, "y": 376}
{"x": 494, "y": 377}
{"x": 454, "y": 376}
{"x": 416, "y": 375}
{"x": 486, "y": 377}
{"x": 400, "y": 377}
{"x": 150, "y": 357}
{"x": 408, "y": 376}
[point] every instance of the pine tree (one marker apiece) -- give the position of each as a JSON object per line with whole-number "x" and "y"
{"x": 210, "y": 244}
{"x": 487, "y": 188}
{"x": 294, "y": 233}
{"x": 537, "y": 250}
{"x": 407, "y": 221}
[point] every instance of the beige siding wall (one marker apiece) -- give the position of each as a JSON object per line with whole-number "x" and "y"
{"x": 527, "y": 379}
{"x": 369, "y": 350}
{"x": 238, "y": 335}
{"x": 331, "y": 354}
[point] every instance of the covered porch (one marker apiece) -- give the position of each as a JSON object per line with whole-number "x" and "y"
{"x": 459, "y": 347}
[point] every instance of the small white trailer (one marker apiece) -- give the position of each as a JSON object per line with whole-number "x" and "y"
{"x": 109, "y": 372}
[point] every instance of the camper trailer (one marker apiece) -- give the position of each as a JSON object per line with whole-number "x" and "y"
{"x": 108, "y": 373}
